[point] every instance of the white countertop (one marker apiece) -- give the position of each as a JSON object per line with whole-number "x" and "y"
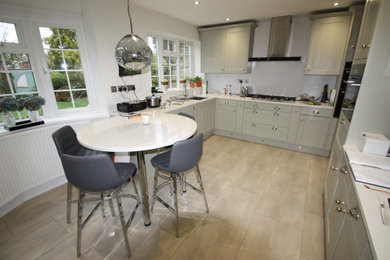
{"x": 369, "y": 200}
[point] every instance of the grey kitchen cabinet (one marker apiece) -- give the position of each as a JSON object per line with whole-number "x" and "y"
{"x": 207, "y": 117}
{"x": 313, "y": 129}
{"x": 225, "y": 115}
{"x": 328, "y": 44}
{"x": 366, "y": 31}
{"x": 226, "y": 49}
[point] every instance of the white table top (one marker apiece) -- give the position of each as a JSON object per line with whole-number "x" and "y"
{"x": 120, "y": 134}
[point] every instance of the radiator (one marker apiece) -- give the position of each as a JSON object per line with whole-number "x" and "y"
{"x": 29, "y": 165}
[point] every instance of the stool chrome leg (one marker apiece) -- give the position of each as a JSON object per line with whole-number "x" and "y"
{"x": 154, "y": 188}
{"x": 79, "y": 221}
{"x": 111, "y": 207}
{"x": 173, "y": 177}
{"x": 68, "y": 202}
{"x": 123, "y": 224}
{"x": 197, "y": 171}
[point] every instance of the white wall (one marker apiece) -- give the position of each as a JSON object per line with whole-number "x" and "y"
{"x": 372, "y": 108}
{"x": 277, "y": 78}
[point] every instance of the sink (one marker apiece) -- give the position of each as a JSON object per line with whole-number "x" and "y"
{"x": 197, "y": 98}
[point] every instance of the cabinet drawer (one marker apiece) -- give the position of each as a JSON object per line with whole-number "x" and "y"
{"x": 316, "y": 111}
{"x": 276, "y": 118}
{"x": 267, "y": 106}
{"x": 226, "y": 102}
{"x": 266, "y": 131}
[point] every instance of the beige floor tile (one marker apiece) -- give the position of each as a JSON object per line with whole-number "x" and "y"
{"x": 285, "y": 206}
{"x": 289, "y": 179}
{"x": 314, "y": 202}
{"x": 271, "y": 240}
{"x": 313, "y": 237}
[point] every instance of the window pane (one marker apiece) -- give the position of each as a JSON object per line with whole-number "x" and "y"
{"x": 72, "y": 59}
{"x": 8, "y": 33}
{"x": 172, "y": 46}
{"x": 165, "y": 60}
{"x": 64, "y": 100}
{"x": 55, "y": 60}
{"x": 15, "y": 61}
{"x": 23, "y": 82}
{"x": 76, "y": 80}
{"x": 49, "y": 38}
{"x": 165, "y": 45}
{"x": 4, "y": 85}
{"x": 80, "y": 98}
{"x": 68, "y": 39}
{"x": 59, "y": 80}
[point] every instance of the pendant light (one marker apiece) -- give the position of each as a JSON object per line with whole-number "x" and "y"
{"x": 132, "y": 52}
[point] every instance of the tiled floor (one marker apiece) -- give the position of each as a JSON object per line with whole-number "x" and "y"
{"x": 265, "y": 203}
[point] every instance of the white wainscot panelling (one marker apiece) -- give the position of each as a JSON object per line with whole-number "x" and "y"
{"x": 29, "y": 165}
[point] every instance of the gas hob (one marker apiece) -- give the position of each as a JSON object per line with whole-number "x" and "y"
{"x": 273, "y": 98}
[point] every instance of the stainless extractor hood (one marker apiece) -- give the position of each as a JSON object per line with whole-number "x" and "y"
{"x": 279, "y": 37}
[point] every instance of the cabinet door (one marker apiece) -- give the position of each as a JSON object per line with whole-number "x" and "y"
{"x": 313, "y": 131}
{"x": 225, "y": 118}
{"x": 331, "y": 177}
{"x": 213, "y": 51}
{"x": 207, "y": 117}
{"x": 366, "y": 30}
{"x": 328, "y": 42}
{"x": 237, "y": 42}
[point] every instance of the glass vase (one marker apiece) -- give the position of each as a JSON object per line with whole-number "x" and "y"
{"x": 8, "y": 119}
{"x": 33, "y": 115}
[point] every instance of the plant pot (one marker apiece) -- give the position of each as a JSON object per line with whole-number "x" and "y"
{"x": 199, "y": 84}
{"x": 33, "y": 115}
{"x": 8, "y": 119}
{"x": 191, "y": 84}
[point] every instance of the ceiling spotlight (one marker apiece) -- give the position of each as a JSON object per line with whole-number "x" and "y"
{"x": 196, "y": 2}
{"x": 227, "y": 19}
{"x": 336, "y": 4}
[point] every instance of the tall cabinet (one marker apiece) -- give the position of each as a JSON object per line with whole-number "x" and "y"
{"x": 226, "y": 49}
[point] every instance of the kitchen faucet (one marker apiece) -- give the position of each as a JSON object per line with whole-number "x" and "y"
{"x": 185, "y": 87}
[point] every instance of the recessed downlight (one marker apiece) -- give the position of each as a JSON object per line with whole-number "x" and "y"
{"x": 336, "y": 4}
{"x": 227, "y": 19}
{"x": 196, "y": 2}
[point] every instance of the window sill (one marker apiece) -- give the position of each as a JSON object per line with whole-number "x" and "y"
{"x": 58, "y": 120}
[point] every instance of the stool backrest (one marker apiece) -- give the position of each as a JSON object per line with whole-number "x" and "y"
{"x": 91, "y": 173}
{"x": 66, "y": 141}
{"x": 186, "y": 154}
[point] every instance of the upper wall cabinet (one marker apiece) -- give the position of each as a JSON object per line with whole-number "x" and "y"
{"x": 226, "y": 49}
{"x": 366, "y": 31}
{"x": 328, "y": 44}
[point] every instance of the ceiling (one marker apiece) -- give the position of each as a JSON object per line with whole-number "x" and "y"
{"x": 216, "y": 11}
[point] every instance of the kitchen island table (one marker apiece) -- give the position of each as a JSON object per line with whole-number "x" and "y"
{"x": 122, "y": 134}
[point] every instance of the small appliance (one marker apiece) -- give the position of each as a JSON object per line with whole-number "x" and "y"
{"x": 134, "y": 105}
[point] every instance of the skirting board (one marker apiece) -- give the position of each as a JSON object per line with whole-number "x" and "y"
{"x": 31, "y": 193}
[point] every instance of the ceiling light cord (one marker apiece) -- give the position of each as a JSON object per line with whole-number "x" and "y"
{"x": 128, "y": 12}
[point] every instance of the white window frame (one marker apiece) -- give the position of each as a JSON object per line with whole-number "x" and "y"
{"x": 27, "y": 24}
{"x": 161, "y": 53}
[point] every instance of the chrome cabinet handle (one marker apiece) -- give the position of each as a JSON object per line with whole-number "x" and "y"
{"x": 342, "y": 122}
{"x": 354, "y": 213}
{"x": 255, "y": 105}
{"x": 343, "y": 170}
{"x": 254, "y": 111}
{"x": 226, "y": 102}
{"x": 277, "y": 108}
{"x": 253, "y": 124}
{"x": 334, "y": 168}
{"x": 341, "y": 210}
{"x": 274, "y": 128}
{"x": 316, "y": 112}
{"x": 340, "y": 202}
{"x": 276, "y": 114}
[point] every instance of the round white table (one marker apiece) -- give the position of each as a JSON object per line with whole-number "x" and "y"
{"x": 122, "y": 134}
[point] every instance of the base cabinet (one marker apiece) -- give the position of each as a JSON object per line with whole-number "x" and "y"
{"x": 225, "y": 115}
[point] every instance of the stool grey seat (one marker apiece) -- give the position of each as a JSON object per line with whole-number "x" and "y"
{"x": 96, "y": 173}
{"x": 183, "y": 156}
{"x": 66, "y": 143}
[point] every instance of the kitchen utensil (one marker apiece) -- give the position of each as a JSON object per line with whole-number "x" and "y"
{"x": 244, "y": 91}
{"x": 154, "y": 100}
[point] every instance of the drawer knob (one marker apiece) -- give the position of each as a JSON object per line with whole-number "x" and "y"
{"x": 339, "y": 209}
{"x": 254, "y": 111}
{"x": 343, "y": 170}
{"x": 316, "y": 112}
{"x": 255, "y": 105}
{"x": 276, "y": 114}
{"x": 339, "y": 202}
{"x": 277, "y": 108}
{"x": 253, "y": 124}
{"x": 354, "y": 213}
{"x": 226, "y": 102}
{"x": 274, "y": 128}
{"x": 334, "y": 168}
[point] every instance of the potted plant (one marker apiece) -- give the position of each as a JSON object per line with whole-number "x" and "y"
{"x": 198, "y": 80}
{"x": 7, "y": 106}
{"x": 33, "y": 104}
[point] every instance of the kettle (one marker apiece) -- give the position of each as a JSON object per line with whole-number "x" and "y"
{"x": 244, "y": 91}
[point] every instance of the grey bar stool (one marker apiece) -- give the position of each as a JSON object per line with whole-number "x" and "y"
{"x": 96, "y": 173}
{"x": 183, "y": 156}
{"x": 66, "y": 143}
